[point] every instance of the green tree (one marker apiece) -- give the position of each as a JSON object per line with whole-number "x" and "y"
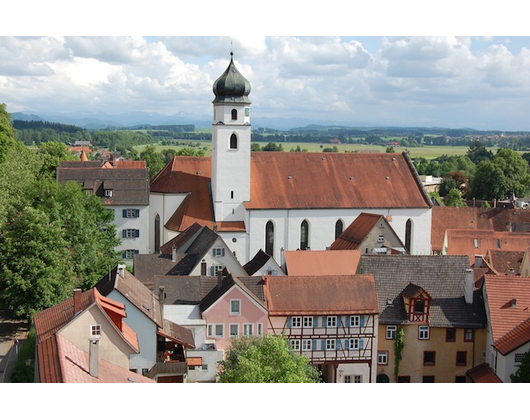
{"x": 87, "y": 226}
{"x": 454, "y": 199}
{"x": 272, "y": 147}
{"x": 49, "y": 155}
{"x": 477, "y": 152}
{"x": 506, "y": 174}
{"x": 522, "y": 375}
{"x": 267, "y": 359}
{"x": 153, "y": 160}
{"x": 7, "y": 133}
{"x": 36, "y": 270}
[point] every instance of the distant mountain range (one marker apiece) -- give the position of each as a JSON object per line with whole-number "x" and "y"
{"x": 102, "y": 121}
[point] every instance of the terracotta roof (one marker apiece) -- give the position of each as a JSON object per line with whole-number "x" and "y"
{"x": 441, "y": 276}
{"x": 482, "y": 374}
{"x": 356, "y": 232}
{"x": 327, "y": 263}
{"x": 514, "y": 220}
{"x": 130, "y": 164}
{"x": 75, "y": 367}
{"x": 504, "y": 261}
{"x": 444, "y": 218}
{"x": 297, "y": 180}
{"x": 505, "y": 316}
{"x": 479, "y": 242}
{"x": 515, "y": 338}
{"x": 320, "y": 295}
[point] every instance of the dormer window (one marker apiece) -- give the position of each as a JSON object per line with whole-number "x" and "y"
{"x": 417, "y": 303}
{"x": 108, "y": 193}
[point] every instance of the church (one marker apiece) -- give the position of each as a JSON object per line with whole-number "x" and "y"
{"x": 281, "y": 201}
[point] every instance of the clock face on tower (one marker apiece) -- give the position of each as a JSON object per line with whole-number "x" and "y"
{"x": 247, "y": 112}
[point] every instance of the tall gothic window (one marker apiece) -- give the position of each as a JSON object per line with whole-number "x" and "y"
{"x": 408, "y": 235}
{"x": 234, "y": 114}
{"x": 157, "y": 233}
{"x": 339, "y": 227}
{"x": 304, "y": 235}
{"x": 269, "y": 238}
{"x": 233, "y": 141}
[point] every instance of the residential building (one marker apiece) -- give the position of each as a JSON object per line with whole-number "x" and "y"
{"x": 263, "y": 265}
{"x": 84, "y": 339}
{"x": 507, "y": 301}
{"x": 123, "y": 187}
{"x": 332, "y": 320}
{"x": 433, "y": 301}
{"x": 163, "y": 344}
{"x": 370, "y": 234}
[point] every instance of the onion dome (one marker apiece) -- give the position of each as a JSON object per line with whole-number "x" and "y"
{"x": 231, "y": 86}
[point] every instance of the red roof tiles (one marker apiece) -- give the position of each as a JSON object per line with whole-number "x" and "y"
{"x": 314, "y": 263}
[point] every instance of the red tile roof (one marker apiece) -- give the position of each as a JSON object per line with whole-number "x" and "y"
{"x": 504, "y": 261}
{"x": 514, "y": 339}
{"x": 479, "y": 242}
{"x": 297, "y": 180}
{"x": 482, "y": 374}
{"x": 320, "y": 295}
{"x": 505, "y": 317}
{"x": 314, "y": 263}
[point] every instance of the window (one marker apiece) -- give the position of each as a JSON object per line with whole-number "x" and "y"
{"x": 296, "y": 322}
{"x": 353, "y": 344}
{"x": 304, "y": 235}
{"x": 381, "y": 238}
{"x": 418, "y": 306}
{"x": 145, "y": 371}
{"x": 429, "y": 358}
{"x": 332, "y": 321}
{"x": 235, "y": 307}
{"x": 234, "y": 330}
{"x": 218, "y": 252}
{"x": 95, "y": 330}
{"x": 382, "y": 357}
{"x": 469, "y": 334}
{"x": 130, "y": 233}
{"x": 260, "y": 329}
{"x": 130, "y": 213}
{"x": 450, "y": 335}
{"x": 308, "y": 321}
{"x": 403, "y": 380}
{"x": 269, "y": 238}
{"x": 108, "y": 193}
{"x": 330, "y": 344}
{"x": 391, "y": 332}
{"x": 353, "y": 379}
{"x": 518, "y": 357}
{"x": 248, "y": 330}
{"x": 234, "y": 114}
{"x": 339, "y": 227}
{"x": 216, "y": 330}
{"x": 423, "y": 332}
{"x": 295, "y": 344}
{"x": 428, "y": 379}
{"x": 460, "y": 379}
{"x": 461, "y": 358}
{"x": 355, "y": 321}
{"x": 233, "y": 141}
{"x": 307, "y": 345}
{"x": 214, "y": 269}
{"x": 128, "y": 254}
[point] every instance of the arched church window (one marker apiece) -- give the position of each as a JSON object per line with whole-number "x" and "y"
{"x": 157, "y": 233}
{"x": 233, "y": 141}
{"x": 339, "y": 227}
{"x": 269, "y": 238}
{"x": 304, "y": 235}
{"x": 234, "y": 114}
{"x": 408, "y": 235}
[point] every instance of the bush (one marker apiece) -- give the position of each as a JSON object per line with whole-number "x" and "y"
{"x": 21, "y": 372}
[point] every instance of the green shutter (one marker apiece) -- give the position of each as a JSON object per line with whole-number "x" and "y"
{"x": 362, "y": 320}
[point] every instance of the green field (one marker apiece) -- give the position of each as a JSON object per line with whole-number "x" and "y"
{"x": 427, "y": 152}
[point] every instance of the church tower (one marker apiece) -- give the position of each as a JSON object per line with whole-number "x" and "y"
{"x": 231, "y": 145}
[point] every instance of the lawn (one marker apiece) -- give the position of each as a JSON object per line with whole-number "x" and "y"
{"x": 427, "y": 152}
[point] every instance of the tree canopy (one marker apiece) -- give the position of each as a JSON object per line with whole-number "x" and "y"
{"x": 267, "y": 359}
{"x": 522, "y": 375}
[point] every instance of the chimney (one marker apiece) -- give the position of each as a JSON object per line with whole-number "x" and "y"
{"x": 77, "y": 301}
{"x": 219, "y": 278}
{"x": 470, "y": 286}
{"x": 173, "y": 253}
{"x": 161, "y": 294}
{"x": 93, "y": 355}
{"x": 511, "y": 272}
{"x": 121, "y": 270}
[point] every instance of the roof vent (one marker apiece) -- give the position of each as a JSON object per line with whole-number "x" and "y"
{"x": 289, "y": 177}
{"x": 514, "y": 303}
{"x": 390, "y": 301}
{"x": 351, "y": 178}
{"x": 198, "y": 172}
{"x": 387, "y": 177}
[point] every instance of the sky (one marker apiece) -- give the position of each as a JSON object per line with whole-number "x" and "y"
{"x": 379, "y": 78}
